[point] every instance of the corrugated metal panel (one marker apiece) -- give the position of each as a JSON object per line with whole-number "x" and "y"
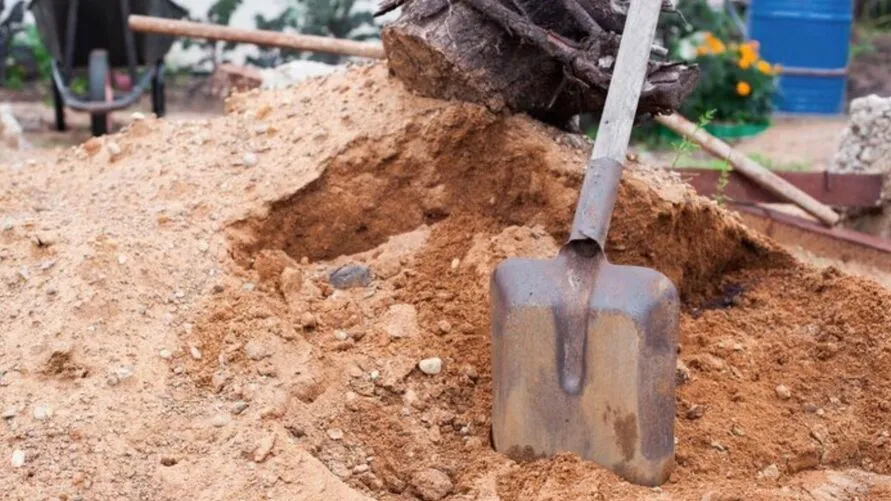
{"x": 805, "y": 35}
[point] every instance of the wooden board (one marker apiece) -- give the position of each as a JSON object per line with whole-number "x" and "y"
{"x": 840, "y": 190}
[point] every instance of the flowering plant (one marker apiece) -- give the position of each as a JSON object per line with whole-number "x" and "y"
{"x": 735, "y": 81}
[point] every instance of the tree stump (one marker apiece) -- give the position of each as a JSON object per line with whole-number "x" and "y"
{"x": 551, "y": 59}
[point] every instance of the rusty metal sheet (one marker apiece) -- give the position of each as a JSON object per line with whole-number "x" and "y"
{"x": 840, "y": 190}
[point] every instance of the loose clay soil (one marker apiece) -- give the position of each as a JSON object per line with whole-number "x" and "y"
{"x": 169, "y": 329}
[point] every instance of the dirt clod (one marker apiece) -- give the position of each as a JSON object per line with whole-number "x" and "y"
{"x": 431, "y": 484}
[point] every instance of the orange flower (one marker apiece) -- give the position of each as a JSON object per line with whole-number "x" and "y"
{"x": 748, "y": 55}
{"x": 764, "y": 67}
{"x": 743, "y": 88}
{"x": 715, "y": 45}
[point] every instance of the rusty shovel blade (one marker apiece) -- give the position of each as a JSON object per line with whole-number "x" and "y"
{"x": 584, "y": 359}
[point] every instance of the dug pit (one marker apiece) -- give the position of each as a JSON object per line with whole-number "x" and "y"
{"x": 430, "y": 198}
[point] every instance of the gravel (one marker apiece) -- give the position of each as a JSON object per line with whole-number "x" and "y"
{"x": 18, "y": 458}
{"x": 783, "y": 392}
{"x": 431, "y": 366}
{"x": 351, "y": 276}
{"x": 431, "y": 484}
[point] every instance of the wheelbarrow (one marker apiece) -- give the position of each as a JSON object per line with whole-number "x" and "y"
{"x": 93, "y": 35}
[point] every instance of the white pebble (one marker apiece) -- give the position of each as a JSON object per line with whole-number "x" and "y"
{"x": 165, "y": 354}
{"x": 137, "y": 116}
{"x": 456, "y": 263}
{"x": 431, "y": 366}
{"x": 122, "y": 259}
{"x": 18, "y": 458}
{"x": 113, "y": 149}
{"x": 195, "y": 352}
{"x": 341, "y": 335}
{"x": 783, "y": 392}
{"x": 220, "y": 420}
{"x": 335, "y": 434}
{"x": 250, "y": 159}
{"x": 203, "y": 246}
{"x": 43, "y": 412}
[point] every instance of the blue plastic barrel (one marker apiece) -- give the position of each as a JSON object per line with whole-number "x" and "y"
{"x": 810, "y": 39}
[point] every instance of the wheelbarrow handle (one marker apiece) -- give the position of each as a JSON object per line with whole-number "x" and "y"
{"x": 598, "y": 195}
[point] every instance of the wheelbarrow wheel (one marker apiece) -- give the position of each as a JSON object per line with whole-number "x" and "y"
{"x": 59, "y": 105}
{"x": 99, "y": 74}
{"x": 159, "y": 105}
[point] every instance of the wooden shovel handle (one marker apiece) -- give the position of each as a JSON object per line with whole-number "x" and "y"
{"x": 750, "y": 168}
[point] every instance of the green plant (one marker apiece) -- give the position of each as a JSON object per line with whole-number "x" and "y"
{"x": 28, "y": 60}
{"x": 734, "y": 81}
{"x": 330, "y": 18}
{"x": 220, "y": 12}
{"x": 686, "y": 145}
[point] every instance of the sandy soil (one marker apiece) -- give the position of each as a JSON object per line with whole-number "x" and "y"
{"x": 171, "y": 328}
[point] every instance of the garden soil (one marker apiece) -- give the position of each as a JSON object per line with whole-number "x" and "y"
{"x": 170, "y": 329}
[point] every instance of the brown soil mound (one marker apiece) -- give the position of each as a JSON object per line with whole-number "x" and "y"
{"x": 169, "y": 307}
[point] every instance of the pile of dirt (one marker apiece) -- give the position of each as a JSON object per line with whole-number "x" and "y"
{"x": 239, "y": 308}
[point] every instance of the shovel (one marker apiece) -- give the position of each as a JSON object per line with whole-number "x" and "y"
{"x": 583, "y": 351}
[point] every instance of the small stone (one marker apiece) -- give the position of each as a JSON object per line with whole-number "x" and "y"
{"x": 220, "y": 420}
{"x": 255, "y": 351}
{"x": 265, "y": 447}
{"x": 473, "y": 443}
{"x": 203, "y": 246}
{"x": 695, "y": 412}
{"x": 44, "y": 239}
{"x": 169, "y": 461}
{"x": 401, "y": 321}
{"x": 772, "y": 472}
{"x": 165, "y": 354}
{"x": 239, "y": 407}
{"x": 8, "y": 224}
{"x": 18, "y": 458}
{"x": 114, "y": 149}
{"x": 443, "y": 327}
{"x": 137, "y": 116}
{"x": 123, "y": 373}
{"x": 341, "y": 335}
{"x": 308, "y": 320}
{"x": 431, "y": 366}
{"x": 374, "y": 375}
{"x": 335, "y": 434}
{"x": 738, "y": 431}
{"x": 349, "y": 277}
{"x": 195, "y": 352}
{"x": 362, "y": 468}
{"x": 431, "y": 484}
{"x": 718, "y": 446}
{"x": 682, "y": 373}
{"x": 783, "y": 392}
{"x": 43, "y": 412}
{"x": 456, "y": 263}
{"x": 250, "y": 159}
{"x": 248, "y": 287}
{"x": 820, "y": 433}
{"x": 10, "y": 413}
{"x": 122, "y": 259}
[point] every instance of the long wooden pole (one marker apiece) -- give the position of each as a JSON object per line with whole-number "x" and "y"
{"x": 742, "y": 163}
{"x": 750, "y": 168}
{"x": 162, "y": 26}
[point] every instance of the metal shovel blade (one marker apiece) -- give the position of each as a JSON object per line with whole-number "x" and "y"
{"x": 594, "y": 376}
